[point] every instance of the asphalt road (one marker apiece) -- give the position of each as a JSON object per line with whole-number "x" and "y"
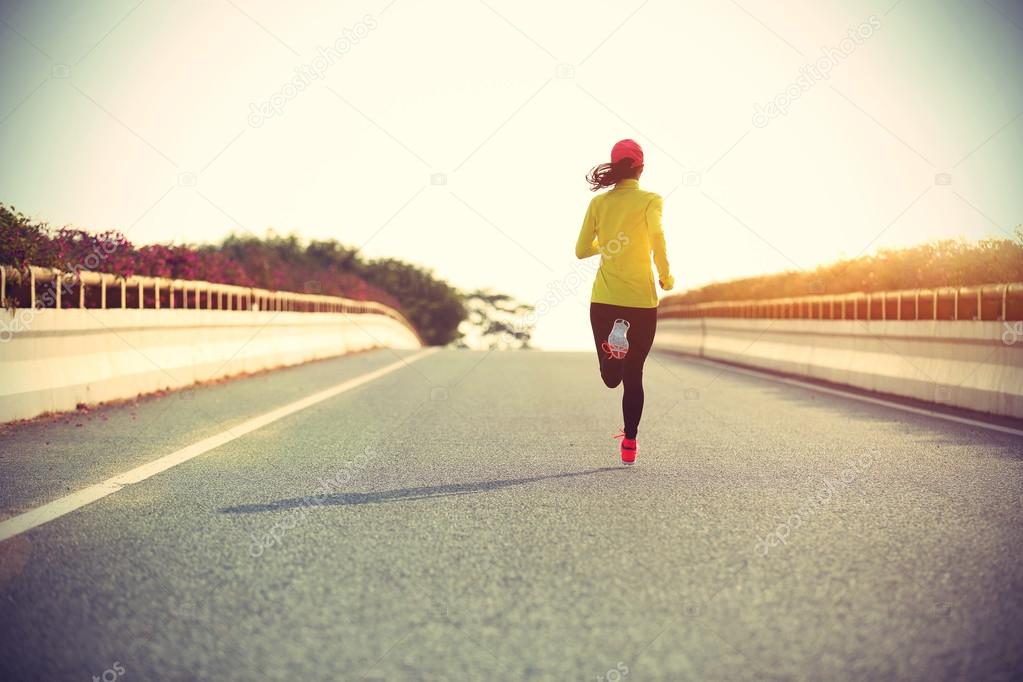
{"x": 466, "y": 518}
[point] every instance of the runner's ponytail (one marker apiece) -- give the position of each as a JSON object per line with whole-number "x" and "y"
{"x": 607, "y": 174}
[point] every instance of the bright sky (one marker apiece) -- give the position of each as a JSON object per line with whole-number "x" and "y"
{"x": 144, "y": 117}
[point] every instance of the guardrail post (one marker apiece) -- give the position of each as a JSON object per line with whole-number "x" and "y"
{"x": 32, "y": 287}
{"x": 955, "y": 309}
{"x": 1005, "y": 303}
{"x": 102, "y": 292}
{"x": 57, "y": 275}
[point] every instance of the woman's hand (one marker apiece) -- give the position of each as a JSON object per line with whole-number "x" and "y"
{"x": 667, "y": 283}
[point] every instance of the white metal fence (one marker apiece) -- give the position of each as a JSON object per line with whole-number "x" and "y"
{"x": 49, "y": 288}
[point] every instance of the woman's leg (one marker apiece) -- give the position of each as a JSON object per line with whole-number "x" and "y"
{"x": 602, "y": 319}
{"x": 642, "y": 327}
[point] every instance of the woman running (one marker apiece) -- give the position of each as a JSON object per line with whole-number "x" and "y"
{"x": 623, "y": 226}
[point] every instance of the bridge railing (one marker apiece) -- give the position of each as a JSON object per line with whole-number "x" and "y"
{"x": 993, "y": 302}
{"x": 50, "y": 288}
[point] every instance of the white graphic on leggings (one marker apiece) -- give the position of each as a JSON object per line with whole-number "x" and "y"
{"x": 617, "y": 344}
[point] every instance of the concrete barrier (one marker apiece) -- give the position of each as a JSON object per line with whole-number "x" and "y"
{"x": 68, "y": 357}
{"x": 959, "y": 363}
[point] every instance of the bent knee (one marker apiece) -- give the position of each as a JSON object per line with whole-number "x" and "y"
{"x": 611, "y": 380}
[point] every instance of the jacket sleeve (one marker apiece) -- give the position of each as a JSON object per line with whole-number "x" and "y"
{"x": 586, "y": 244}
{"x": 657, "y": 244}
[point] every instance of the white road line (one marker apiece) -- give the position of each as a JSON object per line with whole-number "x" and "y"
{"x": 67, "y": 504}
{"x": 856, "y": 396}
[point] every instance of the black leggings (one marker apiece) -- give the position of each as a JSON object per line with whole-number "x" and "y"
{"x": 629, "y": 370}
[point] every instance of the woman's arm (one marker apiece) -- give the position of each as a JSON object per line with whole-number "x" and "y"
{"x": 657, "y": 243}
{"x": 586, "y": 244}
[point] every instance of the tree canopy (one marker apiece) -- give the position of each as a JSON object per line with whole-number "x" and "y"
{"x": 944, "y": 263}
{"x": 281, "y": 263}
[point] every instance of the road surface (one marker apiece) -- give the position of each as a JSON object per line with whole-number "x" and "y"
{"x": 465, "y": 517}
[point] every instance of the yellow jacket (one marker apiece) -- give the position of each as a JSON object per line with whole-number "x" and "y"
{"x": 623, "y": 225}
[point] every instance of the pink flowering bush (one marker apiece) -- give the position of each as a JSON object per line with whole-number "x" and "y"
{"x": 275, "y": 263}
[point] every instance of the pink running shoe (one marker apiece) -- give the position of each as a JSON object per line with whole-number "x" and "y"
{"x": 629, "y": 448}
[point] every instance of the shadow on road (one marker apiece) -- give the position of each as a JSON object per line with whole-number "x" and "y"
{"x": 402, "y": 494}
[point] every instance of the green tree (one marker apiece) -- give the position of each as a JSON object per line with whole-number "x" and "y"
{"x": 495, "y": 320}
